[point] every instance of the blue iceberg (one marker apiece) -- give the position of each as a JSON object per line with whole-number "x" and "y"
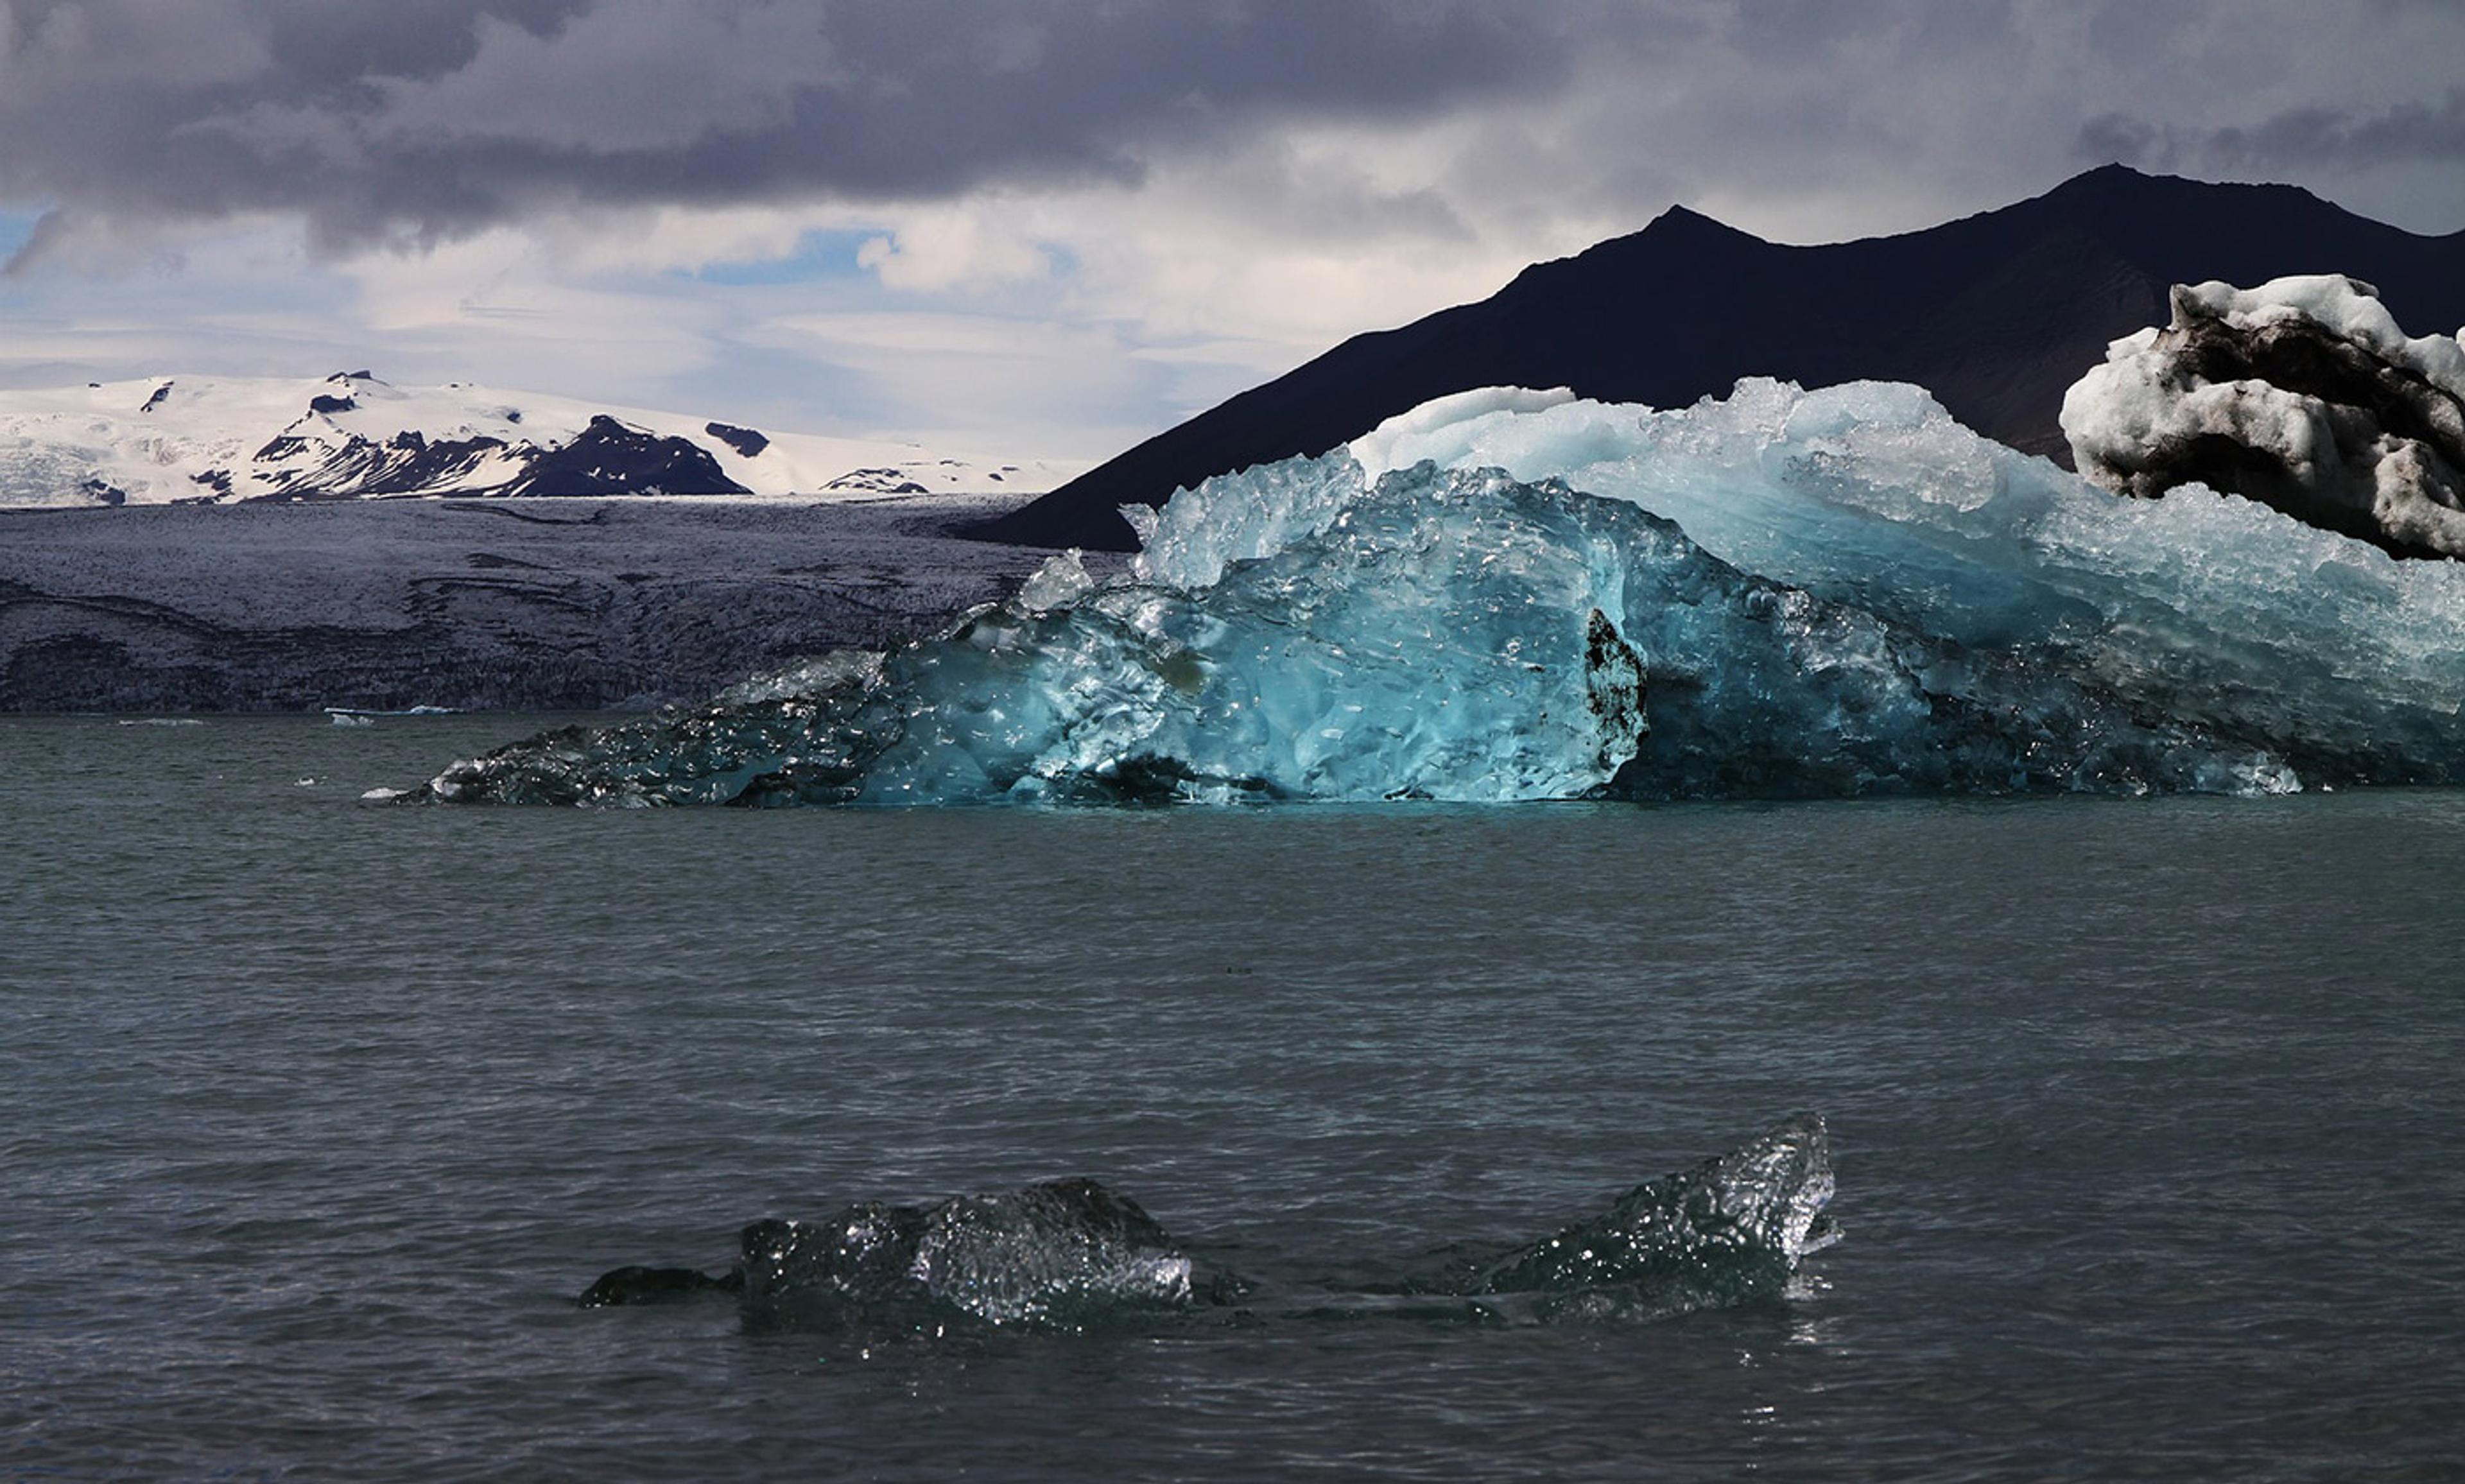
{"x": 1518, "y": 595}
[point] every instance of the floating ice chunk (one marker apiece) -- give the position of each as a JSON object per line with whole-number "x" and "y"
{"x": 1870, "y": 494}
{"x": 1061, "y": 1254}
{"x": 1073, "y": 1254}
{"x": 1730, "y": 1231}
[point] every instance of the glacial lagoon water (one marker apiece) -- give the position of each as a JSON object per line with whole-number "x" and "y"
{"x": 317, "y": 1115}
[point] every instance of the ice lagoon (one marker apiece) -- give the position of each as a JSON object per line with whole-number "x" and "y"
{"x": 2143, "y": 1116}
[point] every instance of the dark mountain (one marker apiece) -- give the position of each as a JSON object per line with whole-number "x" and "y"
{"x": 1997, "y": 314}
{"x": 608, "y": 458}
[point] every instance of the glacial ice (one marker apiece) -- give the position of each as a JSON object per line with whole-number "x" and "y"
{"x": 1517, "y": 596}
{"x": 1071, "y": 1254}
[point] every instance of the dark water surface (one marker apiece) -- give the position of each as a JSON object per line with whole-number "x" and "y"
{"x": 315, "y": 1115}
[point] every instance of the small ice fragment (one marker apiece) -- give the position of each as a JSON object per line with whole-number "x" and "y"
{"x": 1061, "y": 581}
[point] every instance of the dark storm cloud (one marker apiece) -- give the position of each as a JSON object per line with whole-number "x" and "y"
{"x": 422, "y": 119}
{"x": 411, "y": 121}
{"x": 2301, "y": 138}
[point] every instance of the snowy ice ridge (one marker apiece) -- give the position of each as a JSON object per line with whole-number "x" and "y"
{"x": 1515, "y": 595}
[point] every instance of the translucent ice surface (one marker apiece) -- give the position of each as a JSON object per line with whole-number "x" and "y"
{"x": 1518, "y": 596}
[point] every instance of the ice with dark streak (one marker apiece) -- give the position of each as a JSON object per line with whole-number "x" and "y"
{"x": 2302, "y": 393}
{"x": 1071, "y": 1254}
{"x": 1518, "y": 595}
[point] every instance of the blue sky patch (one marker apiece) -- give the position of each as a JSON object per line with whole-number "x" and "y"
{"x": 819, "y": 257}
{"x": 16, "y": 228}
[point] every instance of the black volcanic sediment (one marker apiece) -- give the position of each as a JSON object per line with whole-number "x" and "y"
{"x": 1995, "y": 314}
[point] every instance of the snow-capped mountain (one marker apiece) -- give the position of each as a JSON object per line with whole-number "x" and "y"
{"x": 228, "y": 440}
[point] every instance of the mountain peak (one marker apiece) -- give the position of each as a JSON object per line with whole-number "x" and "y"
{"x": 1680, "y": 215}
{"x": 1679, "y": 232}
{"x": 2114, "y": 173}
{"x": 1686, "y": 223}
{"x": 2116, "y": 185}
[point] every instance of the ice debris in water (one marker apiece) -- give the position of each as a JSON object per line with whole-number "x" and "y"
{"x": 1052, "y": 1256}
{"x": 1730, "y": 1231}
{"x": 2302, "y": 393}
{"x": 1514, "y": 595}
{"x": 1071, "y": 1254}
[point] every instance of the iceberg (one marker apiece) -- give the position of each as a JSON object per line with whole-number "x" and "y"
{"x": 1512, "y": 596}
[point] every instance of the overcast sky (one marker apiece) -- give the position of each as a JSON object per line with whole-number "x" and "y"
{"x": 1050, "y": 229}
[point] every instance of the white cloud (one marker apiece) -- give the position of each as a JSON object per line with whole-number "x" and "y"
{"x": 1030, "y": 388}
{"x": 941, "y": 248}
{"x": 683, "y": 239}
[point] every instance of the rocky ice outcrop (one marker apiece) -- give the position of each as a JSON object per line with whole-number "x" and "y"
{"x": 2302, "y": 395}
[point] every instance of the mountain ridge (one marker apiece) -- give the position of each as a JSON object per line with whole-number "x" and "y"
{"x": 1996, "y": 312}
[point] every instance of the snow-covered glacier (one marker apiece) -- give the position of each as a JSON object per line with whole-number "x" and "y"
{"x": 235, "y": 439}
{"x": 1522, "y": 595}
